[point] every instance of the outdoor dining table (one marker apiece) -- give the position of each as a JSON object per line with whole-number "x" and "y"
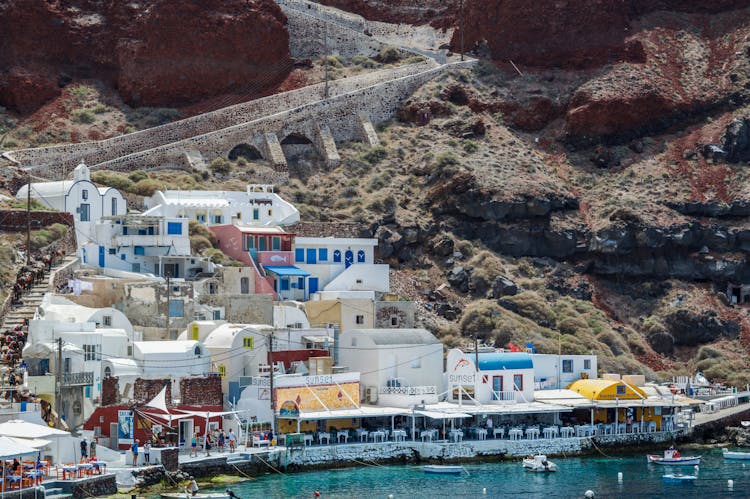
{"x": 515, "y": 433}
{"x": 362, "y": 434}
{"x": 607, "y": 429}
{"x": 99, "y": 466}
{"x": 324, "y": 436}
{"x": 532, "y": 433}
{"x": 567, "y": 431}
{"x": 342, "y": 435}
{"x": 550, "y": 432}
{"x": 86, "y": 468}
{"x": 13, "y": 480}
{"x": 68, "y": 469}
{"x": 377, "y": 435}
{"x": 35, "y": 475}
{"x": 621, "y": 427}
{"x": 427, "y": 435}
{"x": 481, "y": 434}
{"x": 586, "y": 430}
{"x": 498, "y": 431}
{"x": 399, "y": 435}
{"x": 308, "y": 438}
{"x": 456, "y": 435}
{"x": 651, "y": 427}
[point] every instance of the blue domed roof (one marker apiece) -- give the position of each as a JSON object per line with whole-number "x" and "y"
{"x": 497, "y": 361}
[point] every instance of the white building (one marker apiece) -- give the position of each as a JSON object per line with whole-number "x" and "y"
{"x": 171, "y": 359}
{"x": 81, "y": 198}
{"x": 502, "y": 377}
{"x": 558, "y": 371}
{"x": 340, "y": 264}
{"x": 144, "y": 244}
{"x": 258, "y": 205}
{"x": 399, "y": 367}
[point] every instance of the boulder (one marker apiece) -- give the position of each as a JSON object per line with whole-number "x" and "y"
{"x": 736, "y": 140}
{"x": 689, "y": 328}
{"x": 662, "y": 342}
{"x": 442, "y": 246}
{"x": 458, "y": 278}
{"x": 503, "y": 286}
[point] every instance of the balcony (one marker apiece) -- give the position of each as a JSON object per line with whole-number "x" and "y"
{"x": 78, "y": 379}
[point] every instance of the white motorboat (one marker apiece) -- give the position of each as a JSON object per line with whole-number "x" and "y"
{"x": 439, "y": 469}
{"x": 745, "y": 424}
{"x": 728, "y": 454}
{"x": 679, "y": 478}
{"x": 539, "y": 463}
{"x": 673, "y": 457}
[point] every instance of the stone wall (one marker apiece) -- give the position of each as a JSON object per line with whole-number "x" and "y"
{"x": 201, "y": 391}
{"x": 110, "y": 391}
{"x": 15, "y": 220}
{"x": 403, "y": 312}
{"x": 100, "y": 486}
{"x": 243, "y": 309}
{"x": 147, "y": 389}
{"x": 330, "y": 229}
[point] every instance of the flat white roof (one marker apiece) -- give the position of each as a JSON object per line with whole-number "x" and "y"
{"x": 365, "y": 411}
{"x": 469, "y": 407}
{"x": 174, "y": 346}
{"x": 305, "y": 241}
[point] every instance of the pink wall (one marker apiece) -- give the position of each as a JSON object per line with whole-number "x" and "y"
{"x": 230, "y": 242}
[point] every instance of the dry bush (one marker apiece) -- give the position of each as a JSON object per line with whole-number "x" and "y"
{"x": 532, "y": 306}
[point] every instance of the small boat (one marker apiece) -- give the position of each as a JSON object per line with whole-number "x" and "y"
{"x": 728, "y": 454}
{"x": 745, "y": 424}
{"x": 539, "y": 463}
{"x": 679, "y": 478}
{"x": 672, "y": 457}
{"x": 439, "y": 469}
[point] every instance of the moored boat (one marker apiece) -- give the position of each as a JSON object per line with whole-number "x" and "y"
{"x": 673, "y": 457}
{"x": 679, "y": 478}
{"x": 539, "y": 463}
{"x": 439, "y": 469}
{"x": 729, "y": 454}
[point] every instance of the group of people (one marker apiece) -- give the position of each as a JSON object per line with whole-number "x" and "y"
{"x": 34, "y": 273}
{"x": 135, "y": 447}
{"x": 220, "y": 438}
{"x": 88, "y": 451}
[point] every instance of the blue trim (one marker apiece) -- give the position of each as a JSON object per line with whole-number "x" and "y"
{"x": 287, "y": 271}
{"x": 299, "y": 255}
{"x": 496, "y": 361}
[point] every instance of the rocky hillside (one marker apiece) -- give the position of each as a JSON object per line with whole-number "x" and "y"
{"x": 154, "y": 52}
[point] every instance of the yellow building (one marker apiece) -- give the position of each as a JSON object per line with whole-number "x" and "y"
{"x": 614, "y": 401}
{"x": 348, "y": 313}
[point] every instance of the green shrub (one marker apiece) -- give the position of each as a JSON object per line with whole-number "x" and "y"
{"x": 446, "y": 159}
{"x": 100, "y": 109}
{"x": 148, "y": 117}
{"x": 81, "y": 93}
{"x": 147, "y": 187}
{"x": 363, "y": 62}
{"x": 199, "y": 243}
{"x": 470, "y": 146}
{"x": 41, "y": 238}
{"x": 137, "y": 175}
{"x": 534, "y": 307}
{"x": 112, "y": 179}
{"x": 58, "y": 230}
{"x": 221, "y": 166}
{"x": 573, "y": 326}
{"x": 216, "y": 255}
{"x": 83, "y": 116}
{"x": 374, "y": 156}
{"x": 333, "y": 61}
{"x": 197, "y": 229}
{"x": 389, "y": 54}
{"x": 241, "y": 161}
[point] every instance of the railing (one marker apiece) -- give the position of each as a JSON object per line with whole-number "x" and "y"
{"x": 504, "y": 396}
{"x": 408, "y": 390}
{"x": 82, "y": 378}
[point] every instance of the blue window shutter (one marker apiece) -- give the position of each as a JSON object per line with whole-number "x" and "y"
{"x": 285, "y": 284}
{"x": 122, "y": 256}
{"x": 301, "y": 283}
{"x": 138, "y": 250}
{"x": 176, "y": 308}
{"x": 323, "y": 254}
{"x": 360, "y": 256}
{"x": 299, "y": 255}
{"x": 337, "y": 256}
{"x": 174, "y": 228}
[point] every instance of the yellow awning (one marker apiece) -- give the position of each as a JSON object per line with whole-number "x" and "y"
{"x": 605, "y": 389}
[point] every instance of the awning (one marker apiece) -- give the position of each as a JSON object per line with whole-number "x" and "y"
{"x": 442, "y": 415}
{"x": 288, "y": 271}
{"x": 359, "y": 412}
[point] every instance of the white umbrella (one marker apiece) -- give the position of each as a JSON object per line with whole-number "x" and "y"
{"x": 11, "y": 448}
{"x": 24, "y": 429}
{"x": 36, "y": 443}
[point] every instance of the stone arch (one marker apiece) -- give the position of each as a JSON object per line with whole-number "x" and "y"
{"x": 247, "y": 151}
{"x": 301, "y": 152}
{"x": 296, "y": 138}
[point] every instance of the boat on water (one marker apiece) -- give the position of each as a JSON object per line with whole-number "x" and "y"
{"x": 679, "y": 478}
{"x": 729, "y": 454}
{"x": 539, "y": 463}
{"x": 673, "y": 457}
{"x": 439, "y": 469}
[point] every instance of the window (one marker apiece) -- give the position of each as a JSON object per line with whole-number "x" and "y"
{"x": 337, "y": 256}
{"x": 201, "y": 217}
{"x": 176, "y": 308}
{"x": 299, "y": 255}
{"x": 114, "y": 206}
{"x": 217, "y": 315}
{"x": 197, "y": 351}
{"x": 212, "y": 288}
{"x": 394, "y": 320}
{"x": 567, "y": 366}
{"x": 360, "y": 256}
{"x": 621, "y": 390}
{"x": 323, "y": 254}
{"x": 174, "y": 228}
{"x": 248, "y": 242}
{"x": 587, "y": 364}
{"x": 85, "y": 194}
{"x": 218, "y": 219}
{"x": 194, "y": 332}
{"x": 239, "y": 215}
{"x": 275, "y": 243}
{"x": 248, "y": 342}
{"x": 66, "y": 365}
{"x": 92, "y": 352}
{"x": 360, "y": 319}
{"x": 518, "y": 382}
{"x": 285, "y": 284}
{"x": 354, "y": 342}
{"x": 270, "y": 213}
{"x": 223, "y": 371}
{"x": 112, "y": 251}
{"x": 107, "y": 372}
{"x": 301, "y": 283}
{"x": 359, "y": 281}
{"x": 85, "y": 211}
{"x": 138, "y": 250}
{"x": 122, "y": 257}
{"x": 107, "y": 321}
{"x": 244, "y": 285}
{"x": 256, "y": 214}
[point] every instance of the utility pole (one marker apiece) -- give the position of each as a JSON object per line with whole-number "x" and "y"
{"x": 461, "y": 25}
{"x": 168, "y": 303}
{"x": 270, "y": 377}
{"x": 325, "y": 58}
{"x": 28, "y": 221}
{"x": 476, "y": 351}
{"x": 58, "y": 379}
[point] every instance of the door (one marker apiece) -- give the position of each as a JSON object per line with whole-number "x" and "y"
{"x": 113, "y": 435}
{"x": 312, "y": 255}
{"x": 101, "y": 256}
{"x": 497, "y": 387}
{"x": 312, "y": 285}
{"x": 185, "y": 432}
{"x": 262, "y": 243}
{"x": 348, "y": 258}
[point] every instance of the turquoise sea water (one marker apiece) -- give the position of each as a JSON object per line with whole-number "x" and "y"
{"x": 508, "y": 479}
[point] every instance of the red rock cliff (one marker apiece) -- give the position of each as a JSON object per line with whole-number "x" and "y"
{"x": 156, "y": 52}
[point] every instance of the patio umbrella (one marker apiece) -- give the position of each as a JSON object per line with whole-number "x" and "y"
{"x": 25, "y": 429}
{"x": 11, "y": 448}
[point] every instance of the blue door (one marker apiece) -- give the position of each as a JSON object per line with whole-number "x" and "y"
{"x": 101, "y": 256}
{"x": 312, "y": 285}
{"x": 497, "y": 387}
{"x": 312, "y": 255}
{"x": 348, "y": 258}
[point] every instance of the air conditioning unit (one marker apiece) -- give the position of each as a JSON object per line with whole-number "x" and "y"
{"x": 372, "y": 394}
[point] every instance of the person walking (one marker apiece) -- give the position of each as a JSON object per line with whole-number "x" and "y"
{"x": 232, "y": 440}
{"x": 92, "y": 449}
{"x": 134, "y": 449}
{"x": 222, "y": 440}
{"x": 147, "y": 452}
{"x": 208, "y": 444}
{"x": 84, "y": 449}
{"x": 194, "y": 446}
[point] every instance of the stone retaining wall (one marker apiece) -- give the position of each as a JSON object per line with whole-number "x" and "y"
{"x": 15, "y": 220}
{"x": 100, "y": 486}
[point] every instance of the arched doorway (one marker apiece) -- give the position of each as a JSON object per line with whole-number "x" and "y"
{"x": 348, "y": 258}
{"x": 246, "y": 151}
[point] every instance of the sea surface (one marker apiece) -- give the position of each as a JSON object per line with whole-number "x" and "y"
{"x": 576, "y": 475}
